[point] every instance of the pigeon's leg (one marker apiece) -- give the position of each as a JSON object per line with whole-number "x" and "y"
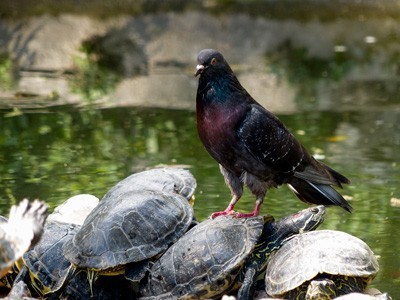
{"x": 236, "y": 186}
{"x": 228, "y": 211}
{"x": 259, "y": 189}
{"x": 254, "y": 213}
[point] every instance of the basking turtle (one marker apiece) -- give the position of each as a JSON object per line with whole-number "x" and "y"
{"x": 133, "y": 225}
{"x": 167, "y": 179}
{"x": 137, "y": 226}
{"x": 23, "y": 229}
{"x": 325, "y": 262}
{"x": 325, "y": 289}
{"x": 223, "y": 254}
{"x": 74, "y": 210}
{"x": 46, "y": 269}
{"x": 104, "y": 288}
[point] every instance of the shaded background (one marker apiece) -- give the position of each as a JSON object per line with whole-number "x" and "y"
{"x": 93, "y": 91}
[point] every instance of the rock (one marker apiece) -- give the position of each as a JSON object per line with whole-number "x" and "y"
{"x": 155, "y": 53}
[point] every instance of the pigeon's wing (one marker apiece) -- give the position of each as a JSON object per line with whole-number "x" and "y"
{"x": 271, "y": 143}
{"x": 268, "y": 140}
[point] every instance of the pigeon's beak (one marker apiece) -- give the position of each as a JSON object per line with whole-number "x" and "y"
{"x": 199, "y": 70}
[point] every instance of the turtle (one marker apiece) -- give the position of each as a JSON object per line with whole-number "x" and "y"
{"x": 168, "y": 179}
{"x": 223, "y": 255}
{"x": 327, "y": 263}
{"x": 133, "y": 224}
{"x": 74, "y": 210}
{"x": 104, "y": 288}
{"x": 325, "y": 289}
{"x": 22, "y": 230}
{"x": 45, "y": 268}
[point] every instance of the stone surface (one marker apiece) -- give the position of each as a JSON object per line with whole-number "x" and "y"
{"x": 156, "y": 53}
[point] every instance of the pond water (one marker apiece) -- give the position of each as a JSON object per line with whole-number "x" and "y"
{"x": 53, "y": 154}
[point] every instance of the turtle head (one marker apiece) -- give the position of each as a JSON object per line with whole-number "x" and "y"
{"x": 276, "y": 233}
{"x": 303, "y": 221}
{"x": 268, "y": 219}
{"x": 322, "y": 288}
{"x": 308, "y": 219}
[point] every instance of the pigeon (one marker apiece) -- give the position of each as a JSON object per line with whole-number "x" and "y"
{"x": 252, "y": 146}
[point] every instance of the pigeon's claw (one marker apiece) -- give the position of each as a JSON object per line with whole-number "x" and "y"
{"x": 254, "y": 213}
{"x": 234, "y": 214}
{"x": 228, "y": 211}
{"x": 245, "y": 215}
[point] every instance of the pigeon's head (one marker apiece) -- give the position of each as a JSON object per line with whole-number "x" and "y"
{"x": 211, "y": 61}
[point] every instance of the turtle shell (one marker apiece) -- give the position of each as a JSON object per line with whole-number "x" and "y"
{"x": 48, "y": 269}
{"x": 46, "y": 265}
{"x": 167, "y": 179}
{"x": 318, "y": 252}
{"x": 104, "y": 288}
{"x": 205, "y": 261}
{"x": 129, "y": 226}
{"x": 74, "y": 210}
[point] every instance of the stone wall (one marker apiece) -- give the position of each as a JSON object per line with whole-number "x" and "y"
{"x": 156, "y": 53}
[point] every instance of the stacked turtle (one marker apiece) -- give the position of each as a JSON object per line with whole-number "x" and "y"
{"x": 92, "y": 251}
{"x": 134, "y": 222}
{"x": 44, "y": 266}
{"x": 142, "y": 241}
{"x": 323, "y": 264}
{"x": 137, "y": 220}
{"x": 223, "y": 255}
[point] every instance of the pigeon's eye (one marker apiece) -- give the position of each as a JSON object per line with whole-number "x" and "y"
{"x": 214, "y": 61}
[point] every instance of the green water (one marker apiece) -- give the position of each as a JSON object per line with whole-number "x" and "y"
{"x": 53, "y": 154}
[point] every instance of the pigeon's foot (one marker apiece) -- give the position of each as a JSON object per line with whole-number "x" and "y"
{"x": 254, "y": 213}
{"x": 245, "y": 215}
{"x": 230, "y": 212}
{"x": 233, "y": 213}
{"x": 226, "y": 212}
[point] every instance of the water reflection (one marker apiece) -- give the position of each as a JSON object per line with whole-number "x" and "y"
{"x": 347, "y": 78}
{"x": 58, "y": 153}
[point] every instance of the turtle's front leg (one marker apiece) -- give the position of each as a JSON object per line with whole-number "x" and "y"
{"x": 246, "y": 291}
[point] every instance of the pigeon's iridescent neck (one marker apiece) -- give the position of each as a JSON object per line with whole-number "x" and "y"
{"x": 218, "y": 89}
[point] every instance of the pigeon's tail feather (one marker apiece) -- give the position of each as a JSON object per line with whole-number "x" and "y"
{"x": 318, "y": 193}
{"x": 336, "y": 175}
